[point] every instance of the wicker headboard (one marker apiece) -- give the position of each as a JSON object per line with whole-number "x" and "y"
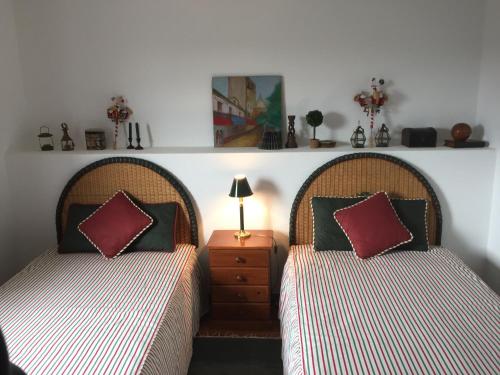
{"x": 356, "y": 173}
{"x": 146, "y": 181}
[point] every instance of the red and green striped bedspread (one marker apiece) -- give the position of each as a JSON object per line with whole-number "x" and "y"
{"x": 400, "y": 313}
{"x": 83, "y": 314}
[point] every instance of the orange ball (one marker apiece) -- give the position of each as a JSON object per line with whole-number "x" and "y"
{"x": 461, "y": 132}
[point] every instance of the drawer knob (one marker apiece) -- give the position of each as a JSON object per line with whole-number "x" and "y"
{"x": 240, "y": 278}
{"x": 239, "y": 295}
{"x": 239, "y": 260}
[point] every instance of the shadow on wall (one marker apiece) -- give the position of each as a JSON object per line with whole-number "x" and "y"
{"x": 455, "y": 241}
{"x": 442, "y": 135}
{"x": 470, "y": 254}
{"x": 482, "y": 266}
{"x": 393, "y": 105}
{"x": 266, "y": 192}
{"x": 396, "y": 100}
{"x": 303, "y": 131}
{"x": 477, "y": 132}
{"x": 334, "y": 121}
{"x": 490, "y": 272}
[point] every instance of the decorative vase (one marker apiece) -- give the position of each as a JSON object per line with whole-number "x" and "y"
{"x": 371, "y": 139}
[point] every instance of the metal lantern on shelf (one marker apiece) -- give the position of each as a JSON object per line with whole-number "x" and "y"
{"x": 358, "y": 138}
{"x": 382, "y": 138}
{"x": 45, "y": 139}
{"x": 67, "y": 143}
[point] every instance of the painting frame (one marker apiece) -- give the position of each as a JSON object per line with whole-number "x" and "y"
{"x": 245, "y": 107}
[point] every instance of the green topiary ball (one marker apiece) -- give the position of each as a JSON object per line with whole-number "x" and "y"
{"x": 314, "y": 118}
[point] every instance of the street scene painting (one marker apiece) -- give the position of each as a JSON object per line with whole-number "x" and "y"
{"x": 244, "y": 107}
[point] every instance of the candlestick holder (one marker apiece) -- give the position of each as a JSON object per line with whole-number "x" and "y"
{"x": 130, "y": 146}
{"x": 138, "y": 137}
{"x": 290, "y": 141}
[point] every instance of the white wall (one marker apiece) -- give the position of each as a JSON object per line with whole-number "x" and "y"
{"x": 11, "y": 109}
{"x": 275, "y": 178}
{"x": 162, "y": 54}
{"x": 489, "y": 118}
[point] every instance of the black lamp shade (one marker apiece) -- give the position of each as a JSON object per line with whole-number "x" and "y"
{"x": 240, "y": 187}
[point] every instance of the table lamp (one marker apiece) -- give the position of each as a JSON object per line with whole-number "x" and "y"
{"x": 240, "y": 189}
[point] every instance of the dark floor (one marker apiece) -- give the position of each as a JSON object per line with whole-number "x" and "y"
{"x": 241, "y": 356}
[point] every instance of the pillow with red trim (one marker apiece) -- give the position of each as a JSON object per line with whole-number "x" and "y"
{"x": 372, "y": 226}
{"x": 115, "y": 225}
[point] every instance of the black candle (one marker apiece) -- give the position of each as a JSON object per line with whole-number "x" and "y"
{"x": 138, "y": 147}
{"x": 130, "y": 147}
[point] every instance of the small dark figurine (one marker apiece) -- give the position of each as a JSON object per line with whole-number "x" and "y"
{"x": 130, "y": 147}
{"x": 67, "y": 143}
{"x": 138, "y": 137}
{"x": 314, "y": 119}
{"x": 290, "y": 141}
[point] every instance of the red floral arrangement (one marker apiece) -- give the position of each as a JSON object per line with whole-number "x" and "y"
{"x": 118, "y": 112}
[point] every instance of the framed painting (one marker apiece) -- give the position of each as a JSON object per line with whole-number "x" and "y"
{"x": 245, "y": 108}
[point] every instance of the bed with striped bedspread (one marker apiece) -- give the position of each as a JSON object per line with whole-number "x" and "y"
{"x": 400, "y": 313}
{"x": 83, "y": 314}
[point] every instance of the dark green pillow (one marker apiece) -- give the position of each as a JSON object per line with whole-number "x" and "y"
{"x": 329, "y": 236}
{"x": 73, "y": 241}
{"x": 413, "y": 214}
{"x": 159, "y": 237}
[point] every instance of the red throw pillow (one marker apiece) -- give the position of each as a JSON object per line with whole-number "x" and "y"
{"x": 372, "y": 226}
{"x": 115, "y": 225}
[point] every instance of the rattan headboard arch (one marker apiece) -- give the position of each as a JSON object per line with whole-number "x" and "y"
{"x": 356, "y": 173}
{"x": 144, "y": 180}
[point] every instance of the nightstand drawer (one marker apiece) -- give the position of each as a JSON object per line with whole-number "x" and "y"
{"x": 237, "y": 293}
{"x": 239, "y": 258}
{"x": 240, "y": 276}
{"x": 241, "y": 311}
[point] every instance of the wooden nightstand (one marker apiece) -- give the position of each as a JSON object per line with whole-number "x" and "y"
{"x": 240, "y": 275}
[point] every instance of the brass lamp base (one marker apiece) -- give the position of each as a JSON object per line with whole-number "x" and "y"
{"x": 242, "y": 234}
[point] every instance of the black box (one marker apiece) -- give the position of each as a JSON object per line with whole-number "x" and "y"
{"x": 419, "y": 137}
